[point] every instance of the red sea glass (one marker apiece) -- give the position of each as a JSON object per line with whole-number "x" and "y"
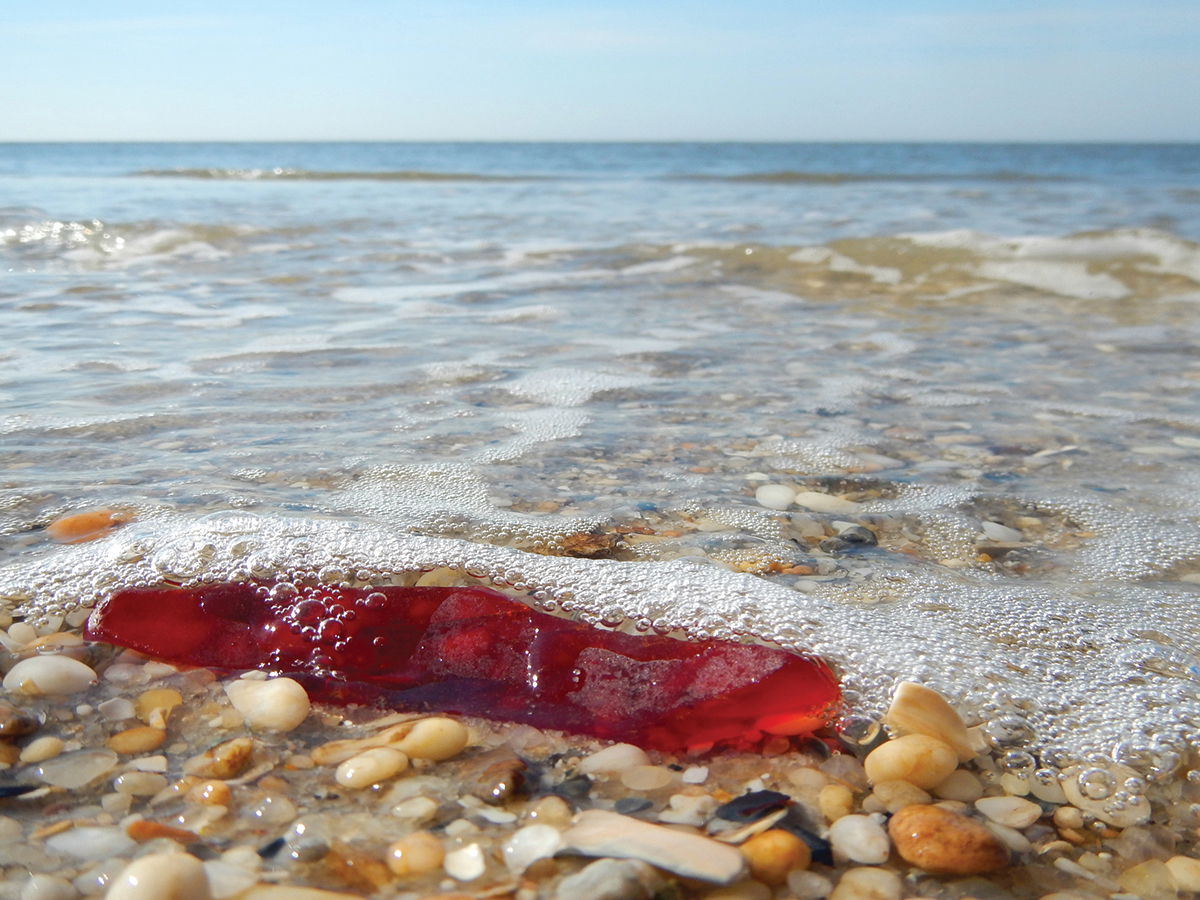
{"x": 474, "y": 651}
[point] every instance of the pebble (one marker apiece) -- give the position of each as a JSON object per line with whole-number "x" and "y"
{"x": 415, "y": 854}
{"x": 825, "y": 503}
{"x": 775, "y": 496}
{"x": 529, "y": 844}
{"x": 288, "y": 892}
{"x": 41, "y": 749}
{"x": 866, "y": 883}
{"x": 809, "y": 885}
{"x": 695, "y": 775}
{"x": 945, "y": 843}
{"x": 494, "y": 776}
{"x": 895, "y": 795}
{"x": 1012, "y": 812}
{"x": 85, "y": 526}
{"x": 598, "y": 832}
{"x": 225, "y": 760}
{"x": 1001, "y": 533}
{"x": 371, "y": 767}
{"x": 75, "y": 770}
{"x": 277, "y": 704}
{"x": 161, "y": 876}
{"x": 139, "y": 784}
{"x": 1185, "y": 871}
{"x": 772, "y": 854}
{"x": 141, "y": 739}
{"x": 91, "y": 842}
{"x": 1151, "y": 880}
{"x": 835, "y": 801}
{"x": 616, "y": 758}
{"x": 436, "y": 738}
{"x": 465, "y": 864}
{"x": 49, "y": 675}
{"x": 959, "y": 785}
{"x": 860, "y": 838}
{"x": 212, "y": 792}
{"x": 916, "y": 758}
{"x": 916, "y": 709}
{"x": 1135, "y": 811}
{"x": 48, "y": 887}
{"x": 118, "y": 709}
{"x": 610, "y": 879}
{"x": 155, "y": 705}
{"x": 646, "y": 778}
{"x": 550, "y": 810}
{"x": 225, "y": 880}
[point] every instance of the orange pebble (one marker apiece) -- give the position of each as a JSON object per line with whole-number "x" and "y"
{"x": 85, "y": 526}
{"x": 142, "y": 830}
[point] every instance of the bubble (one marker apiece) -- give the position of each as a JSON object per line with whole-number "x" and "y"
{"x": 1096, "y": 783}
{"x": 1008, "y": 731}
{"x": 862, "y": 730}
{"x": 1019, "y": 763}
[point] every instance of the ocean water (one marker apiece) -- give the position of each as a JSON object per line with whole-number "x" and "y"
{"x": 568, "y": 370}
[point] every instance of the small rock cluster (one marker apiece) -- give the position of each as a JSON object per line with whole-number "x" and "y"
{"x": 130, "y": 779}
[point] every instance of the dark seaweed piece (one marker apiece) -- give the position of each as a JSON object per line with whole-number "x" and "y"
{"x": 16, "y": 790}
{"x": 797, "y": 822}
{"x": 266, "y": 851}
{"x": 753, "y": 806}
{"x": 627, "y": 806}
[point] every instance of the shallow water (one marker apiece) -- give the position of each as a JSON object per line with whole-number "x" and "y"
{"x": 341, "y": 362}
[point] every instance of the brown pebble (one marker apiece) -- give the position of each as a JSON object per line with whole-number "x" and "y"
{"x": 772, "y": 854}
{"x": 494, "y": 776}
{"x": 10, "y": 753}
{"x": 355, "y": 868}
{"x": 945, "y": 843}
{"x": 137, "y": 740}
{"x": 415, "y": 854}
{"x": 16, "y": 723}
{"x": 213, "y": 792}
{"x": 85, "y": 526}
{"x": 222, "y": 761}
{"x": 143, "y": 830}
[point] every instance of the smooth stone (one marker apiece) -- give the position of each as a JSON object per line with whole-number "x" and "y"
{"x": 616, "y": 758}
{"x": 1185, "y": 871}
{"x": 916, "y": 758}
{"x": 610, "y": 879}
{"x": 772, "y": 854}
{"x": 916, "y": 709}
{"x": 835, "y": 801}
{"x": 997, "y": 532}
{"x": 277, "y": 704}
{"x": 371, "y": 767}
{"x": 1012, "y": 812}
{"x": 1135, "y": 812}
{"x": 437, "y": 739}
{"x": 826, "y": 503}
{"x": 959, "y": 785}
{"x": 774, "y": 496}
{"x": 226, "y": 880}
{"x": 809, "y": 885}
{"x": 695, "y": 775}
{"x": 118, "y": 709}
{"x": 866, "y": 883}
{"x": 75, "y": 770}
{"x": 415, "y": 854}
{"x": 91, "y": 842}
{"x": 288, "y": 892}
{"x": 598, "y": 832}
{"x": 647, "y": 778}
{"x": 465, "y": 864}
{"x": 1151, "y": 880}
{"x": 529, "y": 844}
{"x": 48, "y": 887}
{"x": 895, "y": 795}
{"x": 945, "y": 843}
{"x": 860, "y": 838}
{"x": 41, "y": 749}
{"x": 49, "y": 675}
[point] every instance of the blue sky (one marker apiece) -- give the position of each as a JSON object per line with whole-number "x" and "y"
{"x": 601, "y": 70}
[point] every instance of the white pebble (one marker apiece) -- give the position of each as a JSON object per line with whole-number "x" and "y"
{"x": 997, "y": 532}
{"x": 695, "y": 775}
{"x": 775, "y": 496}
{"x": 48, "y": 887}
{"x": 91, "y": 842}
{"x": 861, "y": 839}
{"x": 277, "y": 704}
{"x": 415, "y": 809}
{"x": 683, "y": 809}
{"x": 161, "y": 876}
{"x": 49, "y": 675}
{"x": 826, "y": 503}
{"x": 809, "y": 885}
{"x": 466, "y": 864}
{"x": 371, "y": 767}
{"x": 616, "y": 758}
{"x": 529, "y": 844}
{"x": 225, "y": 880}
{"x": 139, "y": 784}
{"x": 74, "y": 770}
{"x": 118, "y": 709}
{"x": 1013, "y": 812}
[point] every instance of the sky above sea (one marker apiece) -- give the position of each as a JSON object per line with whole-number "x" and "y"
{"x": 930, "y": 70}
